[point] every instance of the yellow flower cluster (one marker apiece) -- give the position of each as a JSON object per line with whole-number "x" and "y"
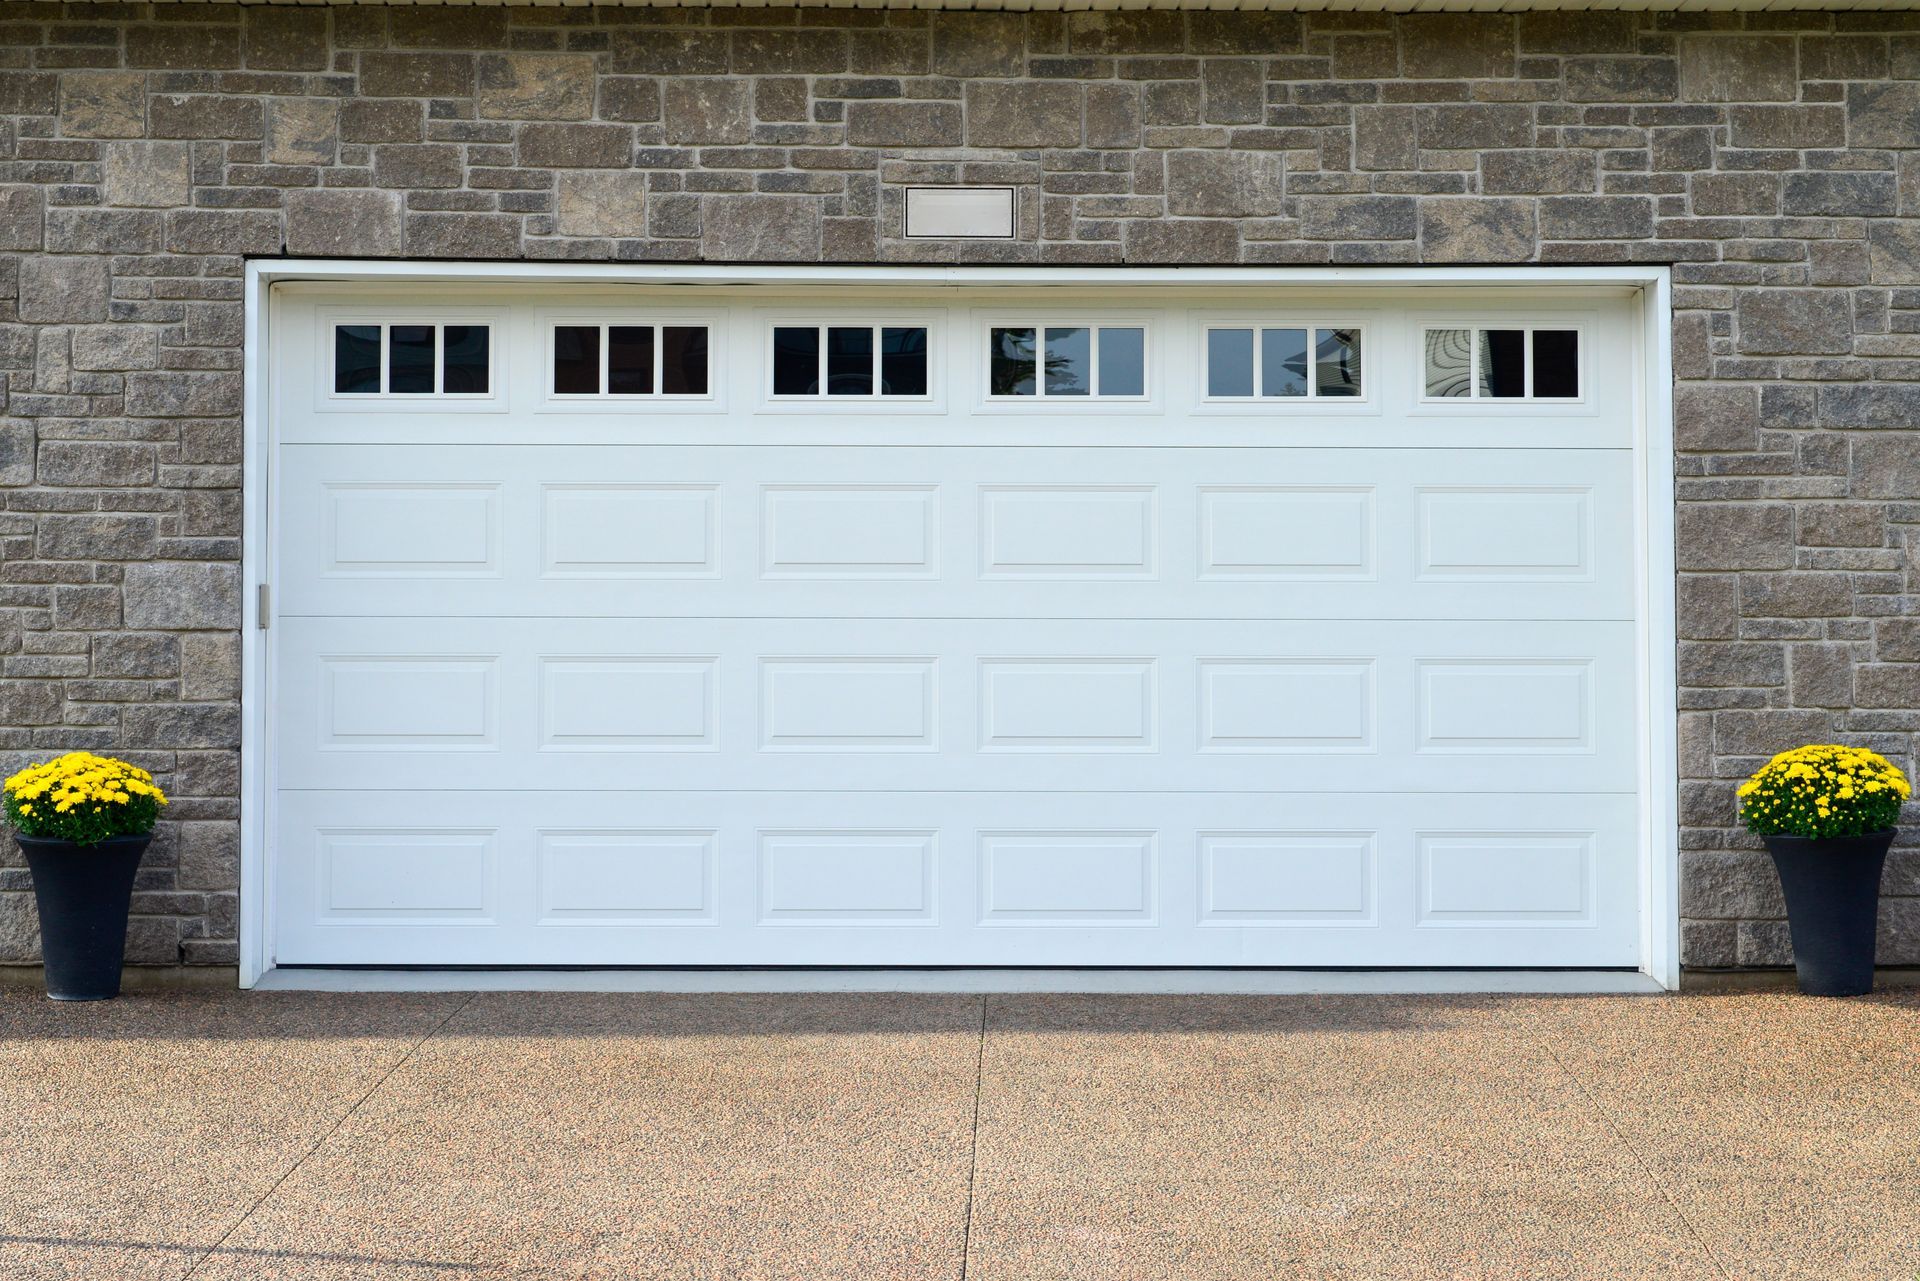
{"x": 1824, "y": 790}
{"x": 82, "y": 798}
{"x": 81, "y": 778}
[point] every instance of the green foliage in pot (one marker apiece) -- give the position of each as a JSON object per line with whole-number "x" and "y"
{"x": 82, "y": 798}
{"x": 1824, "y": 790}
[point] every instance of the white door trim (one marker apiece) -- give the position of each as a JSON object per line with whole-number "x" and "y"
{"x": 1654, "y": 499}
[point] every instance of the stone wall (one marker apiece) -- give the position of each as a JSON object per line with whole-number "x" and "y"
{"x": 145, "y": 151}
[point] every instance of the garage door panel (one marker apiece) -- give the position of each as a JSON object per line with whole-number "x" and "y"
{"x": 997, "y": 705}
{"x": 933, "y": 878}
{"x": 957, "y": 532}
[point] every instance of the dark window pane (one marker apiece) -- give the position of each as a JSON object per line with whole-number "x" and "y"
{"x": 683, "y": 360}
{"x": 1069, "y": 362}
{"x": 1556, "y": 362}
{"x": 796, "y": 362}
{"x": 849, "y": 362}
{"x": 1123, "y": 362}
{"x": 1283, "y": 362}
{"x": 1230, "y": 362}
{"x": 1503, "y": 362}
{"x": 1010, "y": 363}
{"x": 410, "y": 360}
{"x": 1337, "y": 362}
{"x": 576, "y": 360}
{"x": 903, "y": 362}
{"x": 356, "y": 358}
{"x": 463, "y": 359}
{"x": 630, "y": 360}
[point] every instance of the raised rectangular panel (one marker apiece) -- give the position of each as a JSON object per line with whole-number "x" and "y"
{"x": 849, "y": 531}
{"x": 1086, "y": 705}
{"x": 1481, "y": 878}
{"x": 1287, "y": 876}
{"x": 426, "y": 531}
{"x": 1540, "y": 534}
{"x": 1251, "y": 705}
{"x": 627, "y": 703}
{"x": 958, "y": 213}
{"x": 421, "y": 704}
{"x": 1286, "y": 531}
{"x": 1067, "y": 878}
{"x": 1089, "y": 532}
{"x": 630, "y": 531}
{"x": 851, "y": 704}
{"x": 1502, "y": 705}
{"x": 626, "y": 875}
{"x": 846, "y": 876}
{"x": 420, "y": 874}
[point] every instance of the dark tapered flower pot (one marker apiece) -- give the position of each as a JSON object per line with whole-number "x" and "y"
{"x": 83, "y": 892}
{"x": 1832, "y": 888}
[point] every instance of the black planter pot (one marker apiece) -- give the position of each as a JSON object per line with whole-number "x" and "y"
{"x": 83, "y": 892}
{"x": 1832, "y": 888}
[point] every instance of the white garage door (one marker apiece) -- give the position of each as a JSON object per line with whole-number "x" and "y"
{"x": 954, "y": 627}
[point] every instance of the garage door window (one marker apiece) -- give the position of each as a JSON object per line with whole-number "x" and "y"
{"x": 1466, "y": 363}
{"x": 630, "y": 360}
{"x": 1282, "y": 361}
{"x": 1107, "y": 362}
{"x": 850, "y": 360}
{"x": 376, "y": 359}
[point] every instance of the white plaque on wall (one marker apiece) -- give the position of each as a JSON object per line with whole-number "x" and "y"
{"x": 958, "y": 213}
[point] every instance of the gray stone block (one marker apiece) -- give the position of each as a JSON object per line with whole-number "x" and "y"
{"x": 1622, "y": 80}
{"x": 1456, "y": 46}
{"x": 1545, "y": 171}
{"x": 707, "y": 112}
{"x": 761, "y": 228}
{"x": 103, "y": 104}
{"x": 463, "y": 235}
{"x": 1023, "y": 114}
{"x": 95, "y": 464}
{"x": 63, "y": 290}
{"x": 977, "y": 45}
{"x": 1478, "y": 229}
{"x": 350, "y": 223}
{"x": 301, "y": 131}
{"x": 1841, "y": 195}
{"x": 1883, "y": 115}
{"x": 427, "y": 165}
{"x": 601, "y": 203}
{"x": 569, "y": 146}
{"x": 1722, "y": 67}
{"x": 1359, "y": 217}
{"x": 1596, "y": 218}
{"x": 224, "y": 231}
{"x": 1233, "y": 184}
{"x": 1190, "y": 240}
{"x": 182, "y": 596}
{"x": 1795, "y": 322}
{"x": 1734, "y": 536}
{"x": 904, "y": 124}
{"x": 534, "y": 86}
{"x": 416, "y": 75}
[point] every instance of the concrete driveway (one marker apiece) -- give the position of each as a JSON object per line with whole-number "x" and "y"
{"x": 416, "y": 1137}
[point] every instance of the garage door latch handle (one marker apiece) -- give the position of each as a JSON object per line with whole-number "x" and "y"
{"x": 263, "y": 607}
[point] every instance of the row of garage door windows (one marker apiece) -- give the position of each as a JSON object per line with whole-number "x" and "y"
{"x": 1039, "y": 361}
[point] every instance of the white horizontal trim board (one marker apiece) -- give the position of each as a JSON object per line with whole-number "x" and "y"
{"x": 1164, "y": 682}
{"x": 1042, "y": 6}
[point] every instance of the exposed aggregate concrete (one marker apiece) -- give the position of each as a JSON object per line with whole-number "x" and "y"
{"x": 1007, "y": 1138}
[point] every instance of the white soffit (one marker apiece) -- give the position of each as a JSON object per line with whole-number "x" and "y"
{"x": 1041, "y": 6}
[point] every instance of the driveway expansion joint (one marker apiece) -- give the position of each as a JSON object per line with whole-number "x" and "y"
{"x": 332, "y": 1130}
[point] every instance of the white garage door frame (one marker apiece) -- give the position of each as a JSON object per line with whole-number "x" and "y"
{"x": 1653, "y": 498}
